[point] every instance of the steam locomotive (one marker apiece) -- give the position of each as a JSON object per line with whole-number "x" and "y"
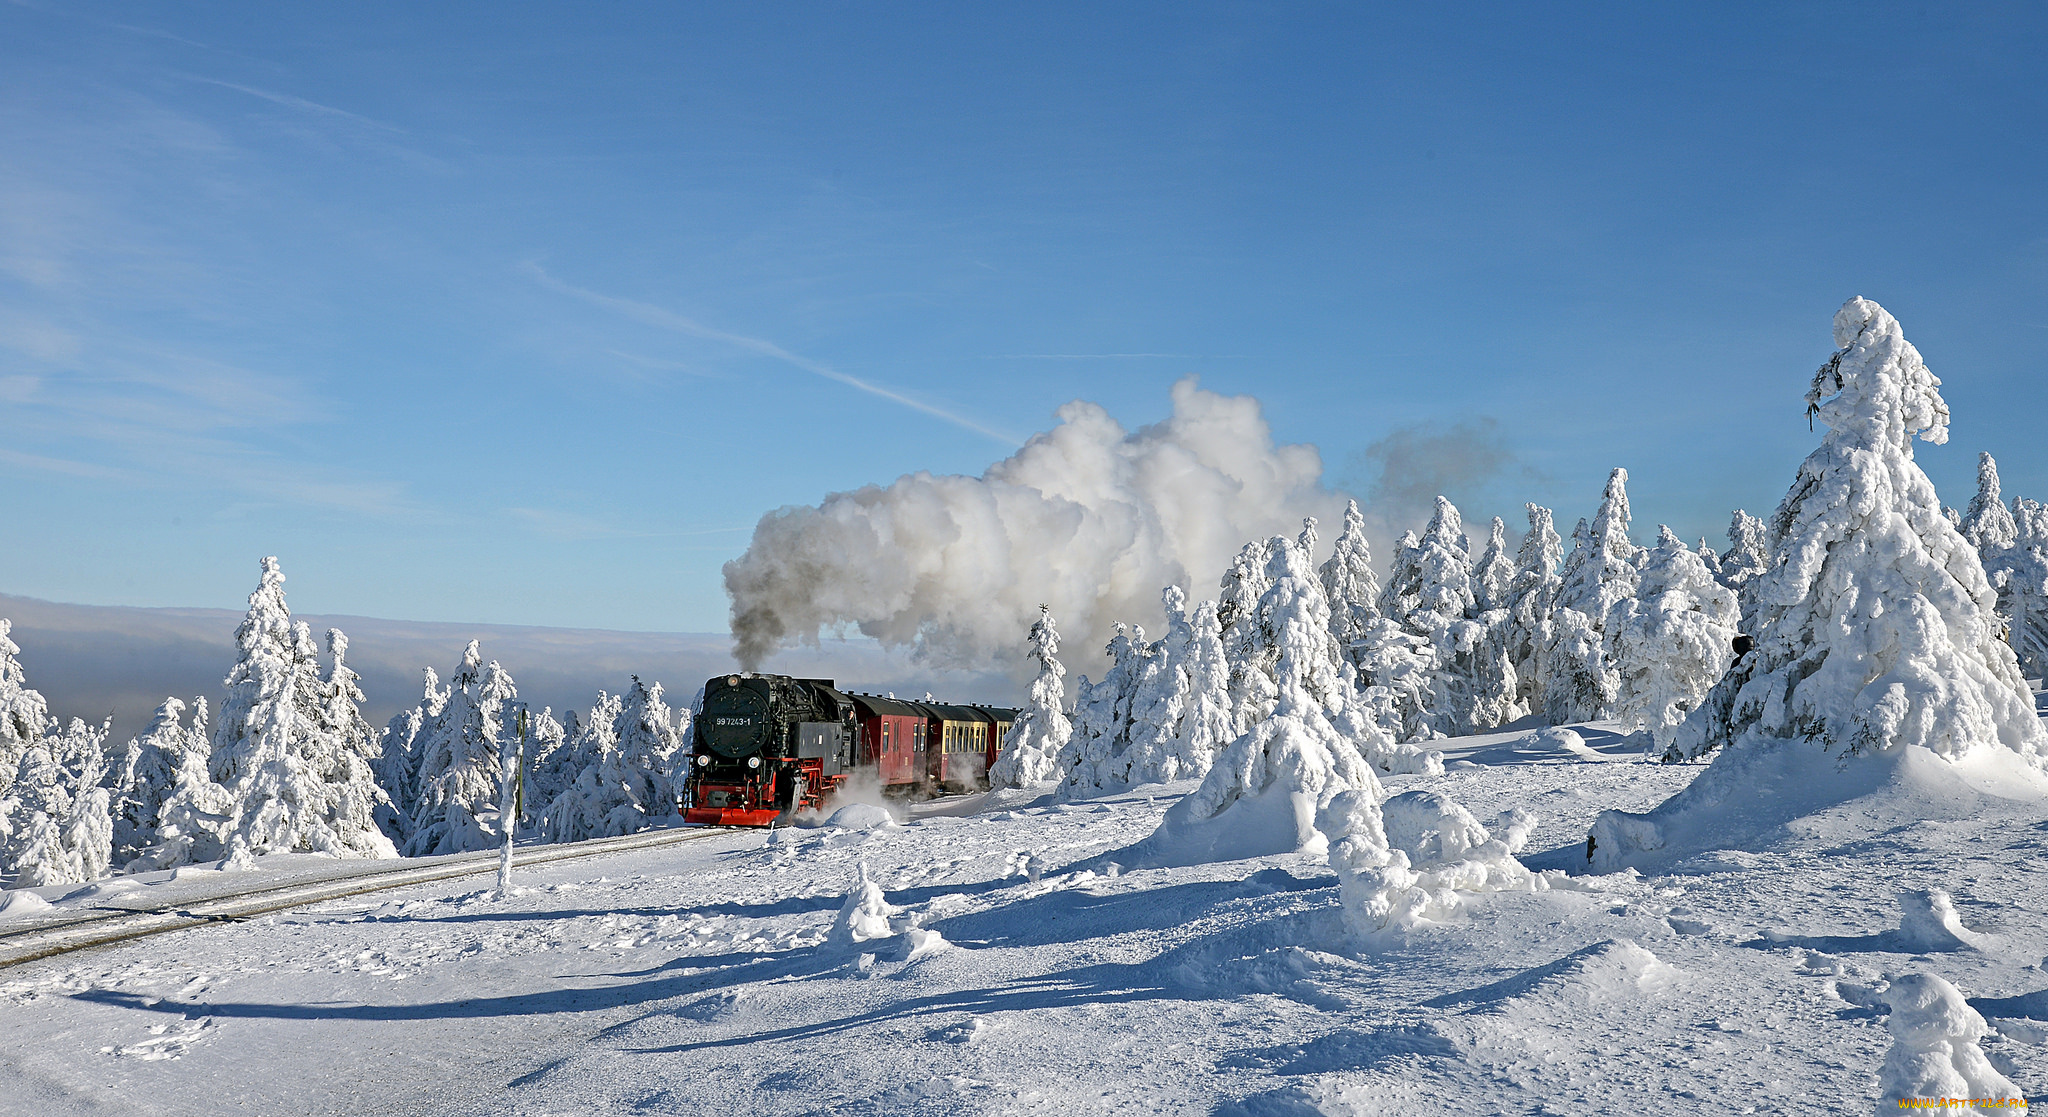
{"x": 769, "y": 745}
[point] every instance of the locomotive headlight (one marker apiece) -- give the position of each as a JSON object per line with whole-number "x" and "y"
{"x": 703, "y": 760}
{"x": 753, "y": 762}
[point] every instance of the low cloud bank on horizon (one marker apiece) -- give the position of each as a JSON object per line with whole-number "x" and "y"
{"x": 96, "y": 661}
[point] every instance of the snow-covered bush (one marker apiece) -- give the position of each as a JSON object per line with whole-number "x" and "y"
{"x": 1875, "y": 630}
{"x": 1406, "y": 861}
{"x": 1040, "y": 732}
{"x": 298, "y": 786}
{"x": 1674, "y": 643}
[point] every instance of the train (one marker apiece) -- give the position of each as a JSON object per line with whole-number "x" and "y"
{"x": 767, "y": 746}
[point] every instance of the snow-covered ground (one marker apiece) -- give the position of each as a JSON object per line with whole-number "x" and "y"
{"x": 1024, "y": 971}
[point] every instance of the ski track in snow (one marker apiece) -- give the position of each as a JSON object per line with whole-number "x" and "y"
{"x": 698, "y": 978}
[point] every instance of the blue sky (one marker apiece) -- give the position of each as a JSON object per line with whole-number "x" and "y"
{"x": 525, "y": 313}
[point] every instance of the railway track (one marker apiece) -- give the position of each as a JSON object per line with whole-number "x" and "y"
{"x": 111, "y": 922}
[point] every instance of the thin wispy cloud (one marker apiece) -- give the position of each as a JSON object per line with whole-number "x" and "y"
{"x": 1115, "y": 357}
{"x": 300, "y": 103}
{"x": 663, "y": 318}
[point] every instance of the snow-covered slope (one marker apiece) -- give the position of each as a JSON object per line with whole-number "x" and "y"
{"x": 1013, "y": 964}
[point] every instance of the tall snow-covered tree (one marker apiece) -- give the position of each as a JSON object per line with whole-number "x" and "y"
{"x": 1675, "y": 644}
{"x": 1040, "y": 732}
{"x": 1208, "y": 722}
{"x": 1531, "y": 598}
{"x": 1103, "y": 722}
{"x": 1875, "y": 626}
{"x": 456, "y": 810}
{"x": 1349, "y": 583}
{"x": 24, "y": 716}
{"x": 274, "y": 750}
{"x": 1237, "y": 612}
{"x": 1599, "y": 579}
{"x": 359, "y": 805}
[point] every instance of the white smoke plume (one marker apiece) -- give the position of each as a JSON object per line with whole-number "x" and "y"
{"x": 1087, "y": 517}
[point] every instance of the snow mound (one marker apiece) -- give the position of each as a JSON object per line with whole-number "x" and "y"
{"x": 1928, "y": 922}
{"x": 1407, "y": 867}
{"x": 865, "y": 916}
{"x": 22, "y": 902}
{"x": 1756, "y": 786}
{"x": 862, "y": 816}
{"x": 1934, "y": 1045}
{"x": 1430, "y": 828}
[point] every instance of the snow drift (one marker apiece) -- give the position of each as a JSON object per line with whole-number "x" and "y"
{"x": 1087, "y": 517}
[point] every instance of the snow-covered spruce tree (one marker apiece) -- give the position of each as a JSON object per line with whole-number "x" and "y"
{"x": 1207, "y": 723}
{"x": 624, "y": 787}
{"x": 1237, "y": 613}
{"x": 1987, "y": 523}
{"x": 1396, "y": 676}
{"x": 1875, "y": 635}
{"x": 1747, "y": 558}
{"x": 56, "y": 825}
{"x": 361, "y": 807}
{"x": 1473, "y": 684}
{"x": 1094, "y": 759}
{"x": 398, "y": 766}
{"x": 1531, "y": 598}
{"x": 1160, "y": 702}
{"x": 1599, "y": 579}
{"x": 1710, "y": 557}
{"x": 2024, "y": 601}
{"x": 274, "y": 750}
{"x": 1041, "y": 730}
{"x": 1675, "y": 644}
{"x": 148, "y": 775}
{"x": 1262, "y": 795}
{"x": 1350, "y": 585}
{"x": 196, "y": 814}
{"x": 24, "y": 716}
{"x": 1493, "y": 576}
{"x": 456, "y": 809}
{"x": 548, "y": 768}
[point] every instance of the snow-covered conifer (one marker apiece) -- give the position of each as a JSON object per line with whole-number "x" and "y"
{"x": 1040, "y": 733}
{"x": 1208, "y": 723}
{"x": 1262, "y": 794}
{"x": 1875, "y": 628}
{"x": 2024, "y": 601}
{"x": 24, "y": 716}
{"x": 1159, "y": 702}
{"x": 1094, "y": 759}
{"x": 56, "y": 822}
{"x": 358, "y": 802}
{"x": 1399, "y": 593}
{"x": 1493, "y": 576}
{"x": 548, "y": 763}
{"x": 275, "y": 751}
{"x": 1710, "y": 557}
{"x": 1987, "y": 523}
{"x": 196, "y": 814}
{"x": 148, "y": 775}
{"x": 1675, "y": 644}
{"x": 624, "y": 787}
{"x": 456, "y": 809}
{"x": 1530, "y": 600}
{"x": 1243, "y": 585}
{"x": 398, "y": 765}
{"x": 1349, "y": 583}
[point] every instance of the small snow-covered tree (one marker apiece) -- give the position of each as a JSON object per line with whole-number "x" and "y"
{"x": 1262, "y": 794}
{"x": 398, "y": 765}
{"x": 1159, "y": 702}
{"x": 456, "y": 809}
{"x": 1709, "y": 557}
{"x": 1531, "y": 598}
{"x": 1349, "y": 583}
{"x": 1237, "y": 613}
{"x": 358, "y": 803}
{"x": 1207, "y": 724}
{"x": 1987, "y": 523}
{"x": 196, "y": 815}
{"x": 56, "y": 822}
{"x": 1094, "y": 759}
{"x": 1875, "y": 626}
{"x": 624, "y": 786}
{"x": 24, "y": 716}
{"x": 1675, "y": 644}
{"x": 1493, "y": 576}
{"x": 1040, "y": 732}
{"x": 549, "y": 770}
{"x": 148, "y": 775}
{"x": 2024, "y": 601}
